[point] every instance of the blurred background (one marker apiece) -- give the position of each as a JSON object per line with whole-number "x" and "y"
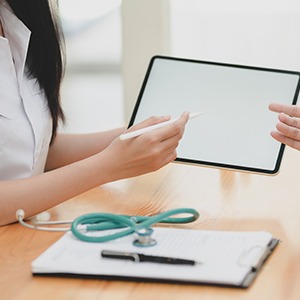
{"x": 109, "y": 44}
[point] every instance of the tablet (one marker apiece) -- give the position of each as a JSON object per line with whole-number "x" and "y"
{"x": 234, "y": 128}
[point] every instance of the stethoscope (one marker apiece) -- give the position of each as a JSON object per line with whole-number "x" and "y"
{"x": 141, "y": 225}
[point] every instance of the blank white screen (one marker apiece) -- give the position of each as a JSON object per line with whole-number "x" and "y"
{"x": 234, "y": 128}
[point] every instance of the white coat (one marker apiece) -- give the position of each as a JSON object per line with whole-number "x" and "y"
{"x": 25, "y": 121}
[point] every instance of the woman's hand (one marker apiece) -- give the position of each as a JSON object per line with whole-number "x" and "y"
{"x": 288, "y": 127}
{"x": 147, "y": 152}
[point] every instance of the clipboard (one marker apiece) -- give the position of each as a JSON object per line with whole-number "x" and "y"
{"x": 233, "y": 131}
{"x": 228, "y": 258}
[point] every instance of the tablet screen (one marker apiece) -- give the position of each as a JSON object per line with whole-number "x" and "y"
{"x": 234, "y": 128}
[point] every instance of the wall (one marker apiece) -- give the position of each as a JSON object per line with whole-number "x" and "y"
{"x": 257, "y": 32}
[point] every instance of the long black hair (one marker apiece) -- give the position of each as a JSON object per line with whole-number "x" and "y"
{"x": 45, "y": 58}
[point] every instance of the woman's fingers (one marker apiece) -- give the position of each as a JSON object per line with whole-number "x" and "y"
{"x": 175, "y": 129}
{"x": 149, "y": 122}
{"x": 162, "y": 133}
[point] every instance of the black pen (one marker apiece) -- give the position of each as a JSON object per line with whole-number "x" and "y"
{"x": 138, "y": 257}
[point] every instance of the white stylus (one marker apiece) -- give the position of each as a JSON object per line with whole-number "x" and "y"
{"x": 138, "y": 132}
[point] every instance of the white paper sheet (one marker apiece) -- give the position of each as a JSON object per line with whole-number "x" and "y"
{"x": 226, "y": 257}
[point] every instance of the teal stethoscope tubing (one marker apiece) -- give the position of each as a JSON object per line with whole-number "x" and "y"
{"x": 106, "y": 221}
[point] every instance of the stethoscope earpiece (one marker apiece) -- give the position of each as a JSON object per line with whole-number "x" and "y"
{"x": 42, "y": 217}
{"x": 20, "y": 214}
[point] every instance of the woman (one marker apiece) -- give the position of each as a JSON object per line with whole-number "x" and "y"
{"x": 40, "y": 168}
{"x": 288, "y": 127}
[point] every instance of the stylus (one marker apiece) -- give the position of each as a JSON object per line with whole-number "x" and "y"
{"x": 138, "y": 132}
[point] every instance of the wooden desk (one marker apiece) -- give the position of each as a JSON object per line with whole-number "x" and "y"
{"x": 226, "y": 200}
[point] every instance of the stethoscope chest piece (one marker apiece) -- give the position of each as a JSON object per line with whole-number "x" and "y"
{"x": 144, "y": 238}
